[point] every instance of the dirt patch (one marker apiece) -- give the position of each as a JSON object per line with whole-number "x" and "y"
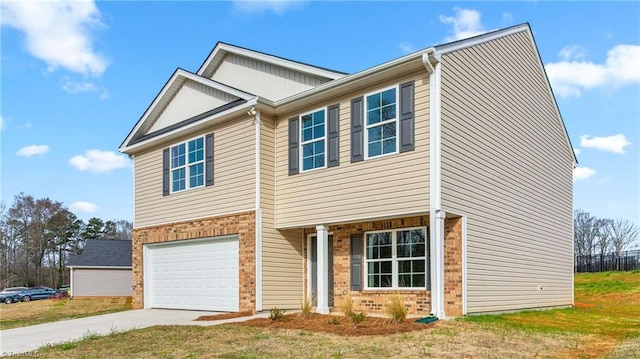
{"x": 224, "y": 316}
{"x": 338, "y": 325}
{"x": 583, "y": 305}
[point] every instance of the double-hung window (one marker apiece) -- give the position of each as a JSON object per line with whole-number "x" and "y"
{"x": 313, "y": 135}
{"x": 187, "y": 165}
{"x": 381, "y": 119}
{"x": 396, "y": 258}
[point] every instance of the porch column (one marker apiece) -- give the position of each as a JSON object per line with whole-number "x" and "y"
{"x": 437, "y": 263}
{"x": 322, "y": 300}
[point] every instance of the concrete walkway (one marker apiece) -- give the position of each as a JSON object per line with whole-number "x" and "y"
{"x": 21, "y": 340}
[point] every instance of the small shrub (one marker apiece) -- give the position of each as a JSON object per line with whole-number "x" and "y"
{"x": 276, "y": 314}
{"x": 346, "y": 306}
{"x": 357, "y": 318}
{"x": 334, "y": 321}
{"x": 305, "y": 307}
{"x": 396, "y": 309}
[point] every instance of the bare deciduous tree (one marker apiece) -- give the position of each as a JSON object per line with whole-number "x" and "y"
{"x": 623, "y": 234}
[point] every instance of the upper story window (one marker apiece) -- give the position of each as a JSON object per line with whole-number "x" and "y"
{"x": 187, "y": 165}
{"x": 313, "y": 140}
{"x": 396, "y": 258}
{"x": 381, "y": 119}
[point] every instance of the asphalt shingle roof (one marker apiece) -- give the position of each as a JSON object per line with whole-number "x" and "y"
{"x": 103, "y": 253}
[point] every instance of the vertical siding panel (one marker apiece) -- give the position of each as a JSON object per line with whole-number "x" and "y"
{"x": 507, "y": 165}
{"x": 265, "y": 80}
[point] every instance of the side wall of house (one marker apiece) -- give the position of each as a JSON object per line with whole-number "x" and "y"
{"x": 281, "y": 250}
{"x": 507, "y": 165}
{"x": 88, "y": 282}
{"x": 384, "y": 186}
{"x": 233, "y": 190}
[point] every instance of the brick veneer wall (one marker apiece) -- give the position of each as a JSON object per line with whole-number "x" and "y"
{"x": 242, "y": 224}
{"x": 418, "y": 302}
{"x": 453, "y": 266}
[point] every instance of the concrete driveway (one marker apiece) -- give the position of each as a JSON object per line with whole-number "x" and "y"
{"x": 20, "y": 340}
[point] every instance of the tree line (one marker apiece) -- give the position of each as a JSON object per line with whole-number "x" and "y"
{"x": 598, "y": 236}
{"x": 38, "y": 235}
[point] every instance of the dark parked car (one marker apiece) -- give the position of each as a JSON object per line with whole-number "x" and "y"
{"x": 36, "y": 293}
{"x": 10, "y": 295}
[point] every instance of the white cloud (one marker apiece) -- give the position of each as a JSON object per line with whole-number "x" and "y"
{"x": 507, "y": 19}
{"x": 406, "y": 47}
{"x": 577, "y": 151}
{"x": 466, "y": 23}
{"x": 573, "y": 52}
{"x": 99, "y": 161}
{"x": 1, "y": 123}
{"x": 261, "y": 6}
{"x": 73, "y": 87}
{"x": 33, "y": 150}
{"x": 58, "y": 32}
{"x": 82, "y": 206}
{"x": 582, "y": 173}
{"x": 573, "y": 75}
{"x": 615, "y": 143}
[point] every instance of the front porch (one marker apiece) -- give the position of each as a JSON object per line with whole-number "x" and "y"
{"x": 374, "y": 260}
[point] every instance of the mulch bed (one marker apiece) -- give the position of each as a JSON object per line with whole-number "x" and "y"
{"x": 224, "y": 316}
{"x": 338, "y": 325}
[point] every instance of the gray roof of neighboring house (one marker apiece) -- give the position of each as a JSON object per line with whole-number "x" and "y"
{"x": 103, "y": 253}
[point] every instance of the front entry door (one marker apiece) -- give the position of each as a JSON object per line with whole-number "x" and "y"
{"x": 314, "y": 269}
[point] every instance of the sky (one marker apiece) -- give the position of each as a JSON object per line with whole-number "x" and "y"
{"x": 77, "y": 76}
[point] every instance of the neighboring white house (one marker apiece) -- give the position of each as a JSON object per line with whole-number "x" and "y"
{"x": 103, "y": 269}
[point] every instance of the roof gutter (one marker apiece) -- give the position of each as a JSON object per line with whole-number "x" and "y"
{"x": 344, "y": 81}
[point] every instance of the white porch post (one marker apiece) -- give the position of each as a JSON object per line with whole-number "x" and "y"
{"x": 437, "y": 263}
{"x": 323, "y": 269}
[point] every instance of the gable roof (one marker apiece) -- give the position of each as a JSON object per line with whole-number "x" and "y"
{"x": 221, "y": 49}
{"x": 162, "y": 99}
{"x": 103, "y": 253}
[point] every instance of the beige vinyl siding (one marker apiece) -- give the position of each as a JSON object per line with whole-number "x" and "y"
{"x": 234, "y": 180}
{"x": 101, "y": 282}
{"x": 192, "y": 99}
{"x": 282, "y": 274}
{"x": 263, "y": 79}
{"x": 379, "y": 187}
{"x": 507, "y": 165}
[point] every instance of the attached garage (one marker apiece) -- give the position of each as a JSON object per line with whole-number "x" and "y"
{"x": 199, "y": 274}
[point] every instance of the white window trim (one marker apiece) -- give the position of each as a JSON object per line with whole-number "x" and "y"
{"x": 302, "y": 143}
{"x": 394, "y": 260}
{"x": 367, "y": 126}
{"x": 187, "y": 164}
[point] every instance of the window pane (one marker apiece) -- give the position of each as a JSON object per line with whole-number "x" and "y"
{"x": 389, "y": 97}
{"x": 419, "y": 281}
{"x": 404, "y": 281}
{"x": 307, "y": 121}
{"x": 375, "y": 134}
{"x": 307, "y": 163}
{"x": 319, "y": 161}
{"x": 389, "y": 146}
{"x": 389, "y": 131}
{"x": 177, "y": 156}
{"x": 375, "y": 149}
{"x": 307, "y": 134}
{"x": 178, "y": 180}
{"x": 196, "y": 150}
{"x": 373, "y": 101}
{"x": 419, "y": 266}
{"x": 388, "y": 112}
{"x": 318, "y": 131}
{"x": 318, "y": 118}
{"x": 318, "y": 147}
{"x": 196, "y": 175}
{"x": 307, "y": 150}
{"x": 386, "y": 281}
{"x": 386, "y": 267}
{"x": 373, "y": 116}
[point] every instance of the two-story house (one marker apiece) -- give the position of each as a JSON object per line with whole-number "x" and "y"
{"x": 444, "y": 175}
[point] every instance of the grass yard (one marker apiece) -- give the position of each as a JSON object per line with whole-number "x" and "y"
{"x": 605, "y": 323}
{"x": 53, "y": 310}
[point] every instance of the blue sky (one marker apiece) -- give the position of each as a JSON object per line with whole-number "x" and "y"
{"x": 76, "y": 76}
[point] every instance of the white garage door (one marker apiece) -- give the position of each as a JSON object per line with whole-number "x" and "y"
{"x": 196, "y": 274}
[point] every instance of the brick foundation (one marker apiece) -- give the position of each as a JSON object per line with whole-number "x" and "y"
{"x": 418, "y": 302}
{"x": 242, "y": 224}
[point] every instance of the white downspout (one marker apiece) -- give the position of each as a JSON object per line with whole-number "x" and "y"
{"x": 436, "y": 216}
{"x": 258, "y": 124}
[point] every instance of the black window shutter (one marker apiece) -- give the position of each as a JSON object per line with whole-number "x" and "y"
{"x": 407, "y": 109}
{"x": 428, "y": 271}
{"x": 165, "y": 172}
{"x": 356, "y": 262}
{"x": 208, "y": 143}
{"x": 357, "y": 129}
{"x": 294, "y": 162}
{"x": 333, "y": 141}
